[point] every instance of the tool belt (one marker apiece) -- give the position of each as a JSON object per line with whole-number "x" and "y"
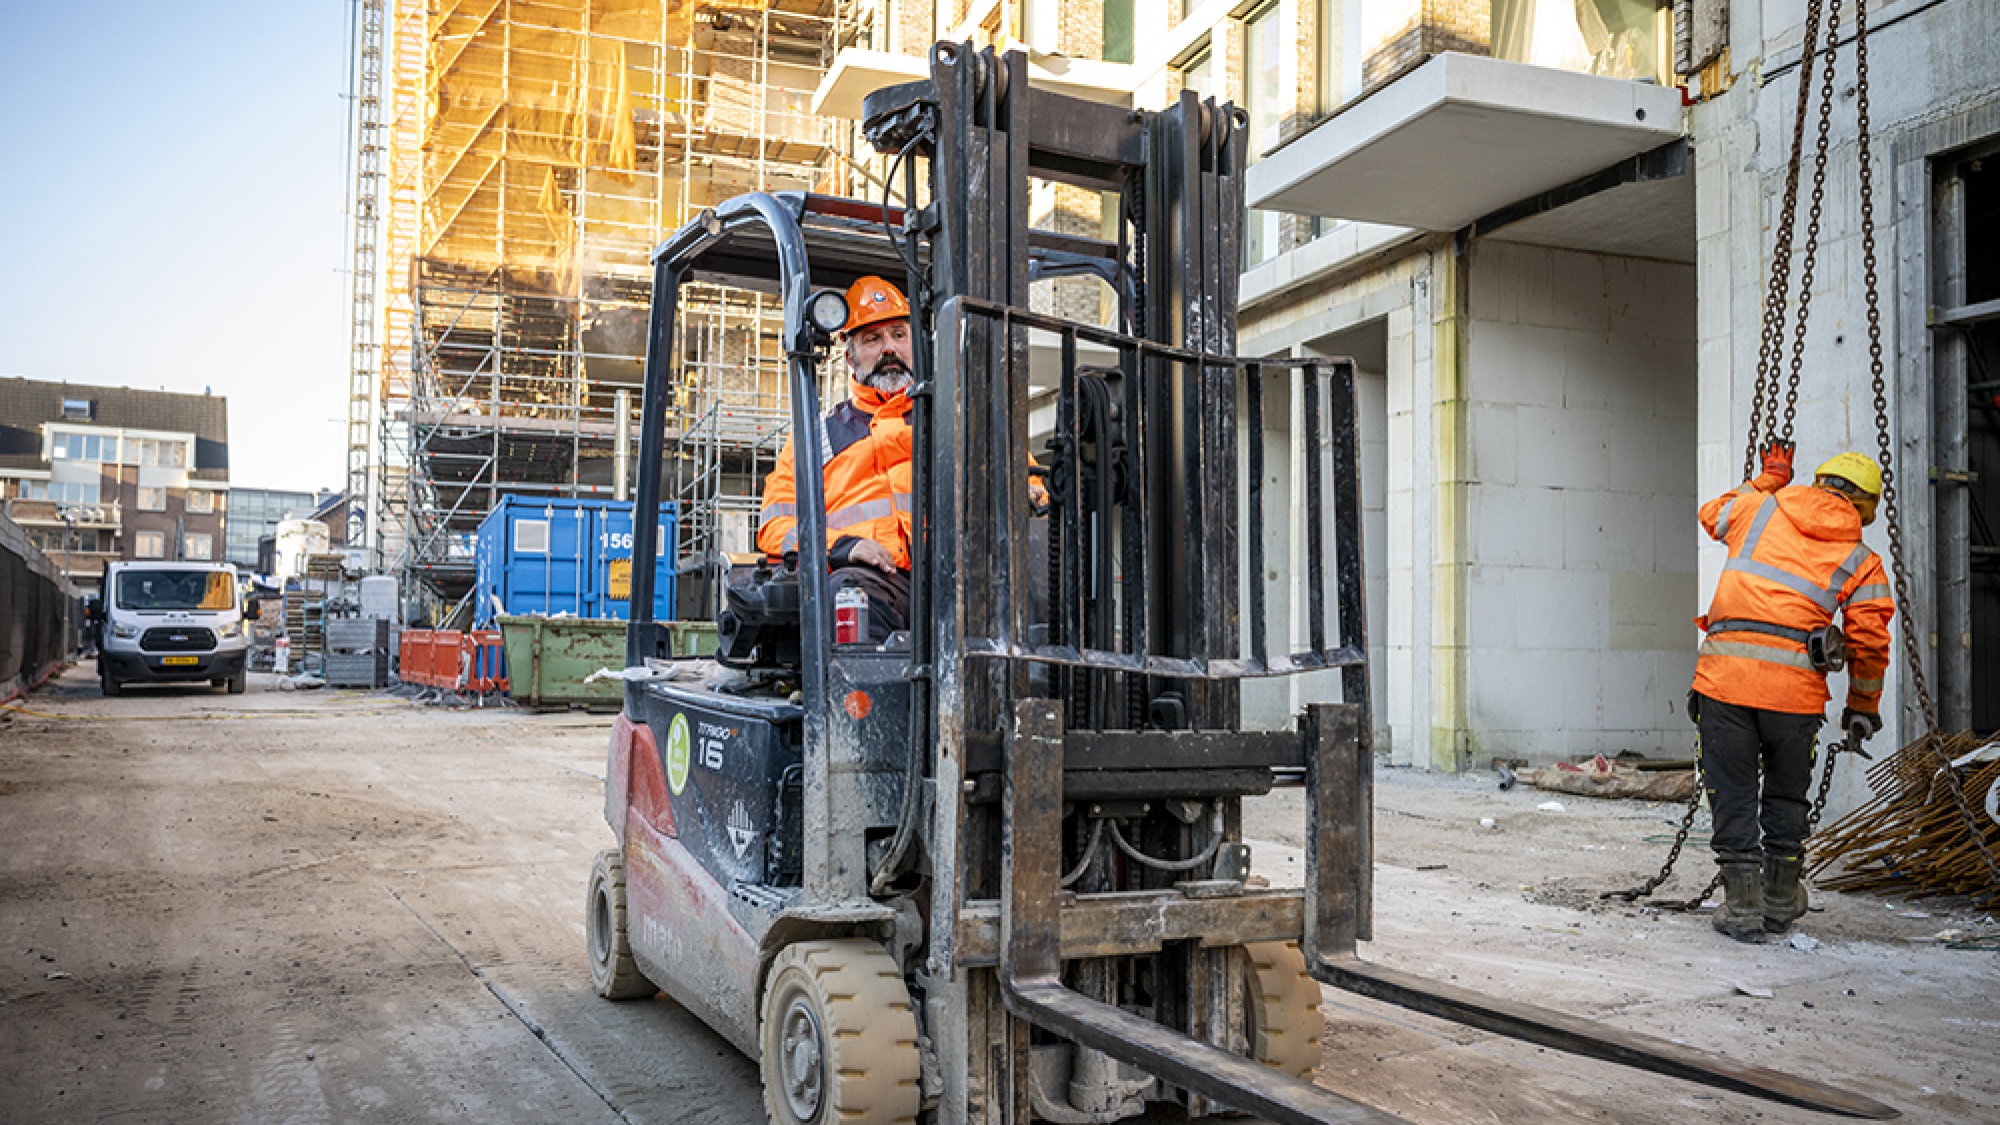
{"x": 1826, "y": 646}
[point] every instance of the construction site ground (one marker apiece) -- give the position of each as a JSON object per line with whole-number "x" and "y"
{"x": 321, "y": 906}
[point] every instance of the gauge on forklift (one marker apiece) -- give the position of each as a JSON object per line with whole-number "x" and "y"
{"x": 827, "y": 309}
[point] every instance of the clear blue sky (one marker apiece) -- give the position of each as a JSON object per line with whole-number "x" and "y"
{"x": 172, "y": 178}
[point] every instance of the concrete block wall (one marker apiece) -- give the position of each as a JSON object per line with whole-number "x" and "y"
{"x": 1580, "y": 503}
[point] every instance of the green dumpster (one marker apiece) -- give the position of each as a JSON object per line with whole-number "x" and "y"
{"x": 549, "y": 657}
{"x": 692, "y": 638}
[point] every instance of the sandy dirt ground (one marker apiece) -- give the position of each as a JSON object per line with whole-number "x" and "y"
{"x": 317, "y": 906}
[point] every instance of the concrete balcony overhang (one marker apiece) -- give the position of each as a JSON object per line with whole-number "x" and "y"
{"x": 1461, "y": 137}
{"x": 857, "y": 73}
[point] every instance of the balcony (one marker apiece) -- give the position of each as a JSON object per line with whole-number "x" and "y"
{"x": 50, "y": 513}
{"x": 1463, "y": 137}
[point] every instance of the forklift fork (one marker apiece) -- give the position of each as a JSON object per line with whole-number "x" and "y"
{"x": 1030, "y": 954}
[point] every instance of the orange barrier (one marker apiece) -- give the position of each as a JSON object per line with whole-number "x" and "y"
{"x": 485, "y": 663}
{"x": 414, "y": 658}
{"x": 447, "y": 659}
{"x": 452, "y": 660}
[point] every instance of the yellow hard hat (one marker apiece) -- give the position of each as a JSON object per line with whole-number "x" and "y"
{"x": 1862, "y": 474}
{"x": 1857, "y": 469}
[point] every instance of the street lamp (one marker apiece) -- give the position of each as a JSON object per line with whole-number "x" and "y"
{"x": 67, "y": 514}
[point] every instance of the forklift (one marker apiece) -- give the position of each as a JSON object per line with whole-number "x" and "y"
{"x": 992, "y": 870}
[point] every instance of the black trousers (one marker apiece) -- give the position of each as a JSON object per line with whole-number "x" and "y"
{"x": 888, "y": 597}
{"x": 1737, "y": 745}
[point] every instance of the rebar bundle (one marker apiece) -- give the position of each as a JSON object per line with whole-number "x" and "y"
{"x": 1926, "y": 833}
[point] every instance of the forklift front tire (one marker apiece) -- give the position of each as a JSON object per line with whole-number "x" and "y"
{"x": 1285, "y": 1020}
{"x": 613, "y": 972}
{"x": 839, "y": 1037}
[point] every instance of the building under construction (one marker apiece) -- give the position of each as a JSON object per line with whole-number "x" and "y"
{"x": 517, "y": 162}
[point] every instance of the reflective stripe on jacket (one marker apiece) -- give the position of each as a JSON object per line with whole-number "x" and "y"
{"x": 1795, "y": 559}
{"x": 867, "y": 473}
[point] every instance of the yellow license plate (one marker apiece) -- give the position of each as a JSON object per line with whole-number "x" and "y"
{"x": 180, "y": 659}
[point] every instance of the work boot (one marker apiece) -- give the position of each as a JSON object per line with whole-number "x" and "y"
{"x": 1741, "y": 914}
{"x": 1784, "y": 892}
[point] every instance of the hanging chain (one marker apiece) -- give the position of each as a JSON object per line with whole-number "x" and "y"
{"x": 1764, "y": 416}
{"x": 1688, "y": 906}
{"x": 1890, "y": 510}
{"x": 1634, "y": 894}
{"x": 1813, "y": 213}
{"x": 1771, "y": 348}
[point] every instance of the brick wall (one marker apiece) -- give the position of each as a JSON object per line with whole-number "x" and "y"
{"x": 1443, "y": 25}
{"x": 1069, "y": 210}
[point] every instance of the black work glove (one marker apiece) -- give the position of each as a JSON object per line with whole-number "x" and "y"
{"x": 1694, "y": 707}
{"x": 1864, "y": 724}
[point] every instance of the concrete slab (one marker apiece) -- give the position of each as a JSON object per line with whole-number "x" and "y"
{"x": 1460, "y": 137}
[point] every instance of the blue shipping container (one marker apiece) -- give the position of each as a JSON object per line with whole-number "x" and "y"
{"x": 566, "y": 557}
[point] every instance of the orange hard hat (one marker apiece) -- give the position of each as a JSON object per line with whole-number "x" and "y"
{"x": 872, "y": 300}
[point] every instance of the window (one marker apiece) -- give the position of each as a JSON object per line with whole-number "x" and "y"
{"x": 1118, "y": 19}
{"x": 72, "y": 492}
{"x": 531, "y": 537}
{"x": 176, "y": 589}
{"x": 200, "y": 502}
{"x": 52, "y": 539}
{"x": 148, "y": 545}
{"x": 1199, "y": 75}
{"x": 152, "y": 499}
{"x": 83, "y": 447}
{"x": 77, "y": 408}
{"x": 1264, "y": 102}
{"x": 32, "y": 490}
{"x": 156, "y": 453}
{"x": 200, "y": 547}
{"x": 1617, "y": 38}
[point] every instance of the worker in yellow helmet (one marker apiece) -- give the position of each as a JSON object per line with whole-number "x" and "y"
{"x": 1759, "y": 698}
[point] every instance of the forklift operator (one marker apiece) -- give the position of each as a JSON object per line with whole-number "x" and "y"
{"x": 866, "y": 441}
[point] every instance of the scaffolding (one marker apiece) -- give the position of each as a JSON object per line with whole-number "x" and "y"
{"x": 537, "y": 151}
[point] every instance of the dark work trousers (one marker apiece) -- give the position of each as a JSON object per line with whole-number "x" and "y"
{"x": 1736, "y": 744}
{"x": 888, "y": 598}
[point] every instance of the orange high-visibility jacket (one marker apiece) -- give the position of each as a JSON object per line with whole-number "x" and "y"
{"x": 867, "y": 474}
{"x": 1795, "y": 557}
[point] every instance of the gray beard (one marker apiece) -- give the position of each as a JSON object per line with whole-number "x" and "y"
{"x": 892, "y": 381}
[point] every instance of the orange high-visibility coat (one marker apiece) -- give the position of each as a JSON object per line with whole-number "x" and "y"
{"x": 867, "y": 473}
{"x": 1795, "y": 558}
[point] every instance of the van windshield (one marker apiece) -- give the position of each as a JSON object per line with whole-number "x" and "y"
{"x": 176, "y": 589}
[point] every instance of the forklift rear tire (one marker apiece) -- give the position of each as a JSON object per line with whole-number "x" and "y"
{"x": 613, "y": 971}
{"x": 839, "y": 1037}
{"x": 1285, "y": 1021}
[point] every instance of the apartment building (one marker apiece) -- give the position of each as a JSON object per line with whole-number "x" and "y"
{"x": 100, "y": 474}
{"x": 1543, "y": 230}
{"x": 257, "y": 512}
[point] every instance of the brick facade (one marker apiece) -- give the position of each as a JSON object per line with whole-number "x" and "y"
{"x": 1443, "y": 25}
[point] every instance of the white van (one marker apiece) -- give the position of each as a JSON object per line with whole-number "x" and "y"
{"x": 171, "y": 623}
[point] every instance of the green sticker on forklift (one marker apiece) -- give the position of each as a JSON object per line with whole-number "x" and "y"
{"x": 679, "y": 751}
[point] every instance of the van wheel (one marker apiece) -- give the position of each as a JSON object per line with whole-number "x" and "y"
{"x": 1283, "y": 1009}
{"x": 839, "y": 1038}
{"x": 240, "y": 682}
{"x": 613, "y": 972}
{"x": 112, "y": 688}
